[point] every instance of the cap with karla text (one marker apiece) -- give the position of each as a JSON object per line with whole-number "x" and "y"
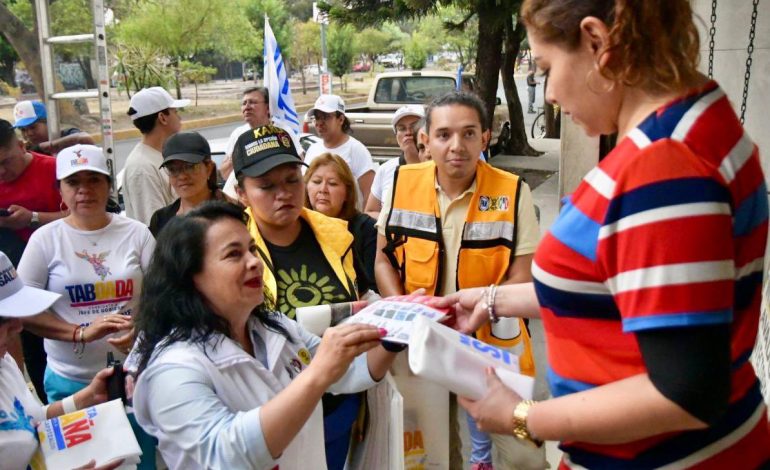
{"x": 18, "y": 300}
{"x": 259, "y": 150}
{"x": 152, "y": 100}
{"x": 26, "y": 113}
{"x": 189, "y": 147}
{"x": 408, "y": 110}
{"x": 79, "y": 158}
{"x": 327, "y": 104}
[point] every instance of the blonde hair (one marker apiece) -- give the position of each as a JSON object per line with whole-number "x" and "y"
{"x": 342, "y": 169}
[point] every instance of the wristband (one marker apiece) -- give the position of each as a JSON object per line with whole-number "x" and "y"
{"x": 393, "y": 347}
{"x": 68, "y": 405}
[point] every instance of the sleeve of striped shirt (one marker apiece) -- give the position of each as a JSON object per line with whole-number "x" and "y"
{"x": 666, "y": 245}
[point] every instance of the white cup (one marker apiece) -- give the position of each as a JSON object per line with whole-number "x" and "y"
{"x": 315, "y": 319}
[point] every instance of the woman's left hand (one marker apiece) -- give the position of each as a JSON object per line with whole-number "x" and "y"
{"x": 96, "y": 391}
{"x": 494, "y": 412}
{"x": 124, "y": 342}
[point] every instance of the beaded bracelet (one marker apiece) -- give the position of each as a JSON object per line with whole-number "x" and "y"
{"x": 491, "y": 293}
{"x": 78, "y": 345}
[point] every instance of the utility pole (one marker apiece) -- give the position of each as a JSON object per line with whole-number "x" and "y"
{"x": 324, "y": 77}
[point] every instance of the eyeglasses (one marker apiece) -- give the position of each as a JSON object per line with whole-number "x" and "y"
{"x": 182, "y": 168}
{"x": 252, "y": 102}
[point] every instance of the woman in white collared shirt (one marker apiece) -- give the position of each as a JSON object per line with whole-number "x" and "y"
{"x": 219, "y": 379}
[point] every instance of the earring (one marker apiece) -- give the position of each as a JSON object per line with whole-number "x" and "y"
{"x": 602, "y": 89}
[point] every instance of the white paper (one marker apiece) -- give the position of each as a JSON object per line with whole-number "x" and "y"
{"x": 458, "y": 362}
{"x": 396, "y": 317}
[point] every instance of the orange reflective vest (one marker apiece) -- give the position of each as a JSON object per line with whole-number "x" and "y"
{"x": 415, "y": 246}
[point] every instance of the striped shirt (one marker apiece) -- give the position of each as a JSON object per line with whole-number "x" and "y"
{"x": 668, "y": 231}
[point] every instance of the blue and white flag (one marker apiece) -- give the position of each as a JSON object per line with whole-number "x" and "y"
{"x": 276, "y": 80}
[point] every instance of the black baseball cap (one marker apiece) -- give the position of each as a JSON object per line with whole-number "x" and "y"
{"x": 259, "y": 150}
{"x": 189, "y": 147}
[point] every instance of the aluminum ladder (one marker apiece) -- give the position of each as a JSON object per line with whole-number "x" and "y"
{"x": 50, "y": 96}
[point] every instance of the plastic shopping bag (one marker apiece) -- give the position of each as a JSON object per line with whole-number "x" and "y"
{"x": 100, "y": 433}
{"x": 457, "y": 362}
{"x": 383, "y": 444}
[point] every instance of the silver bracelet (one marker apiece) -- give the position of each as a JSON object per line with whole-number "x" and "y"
{"x": 491, "y": 293}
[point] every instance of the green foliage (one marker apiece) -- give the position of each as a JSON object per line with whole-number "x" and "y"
{"x": 195, "y": 73}
{"x": 340, "y": 44}
{"x": 281, "y": 23}
{"x": 140, "y": 67}
{"x": 373, "y": 42}
{"x": 451, "y": 29}
{"x": 415, "y": 53}
{"x": 306, "y": 44}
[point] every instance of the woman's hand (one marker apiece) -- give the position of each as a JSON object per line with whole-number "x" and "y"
{"x": 494, "y": 412}
{"x": 340, "y": 345}
{"x": 123, "y": 343}
{"x": 92, "y": 466}
{"x": 107, "y": 325}
{"x": 96, "y": 391}
{"x": 469, "y": 308}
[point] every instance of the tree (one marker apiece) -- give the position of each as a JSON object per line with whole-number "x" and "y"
{"x": 340, "y": 50}
{"x": 280, "y": 22}
{"x": 195, "y": 73}
{"x": 491, "y": 15}
{"x": 180, "y": 28}
{"x": 307, "y": 47}
{"x": 20, "y": 30}
{"x": 415, "y": 54}
{"x": 8, "y": 58}
{"x": 372, "y": 42}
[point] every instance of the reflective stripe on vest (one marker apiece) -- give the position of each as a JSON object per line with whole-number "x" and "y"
{"x": 486, "y": 231}
{"x": 412, "y": 220}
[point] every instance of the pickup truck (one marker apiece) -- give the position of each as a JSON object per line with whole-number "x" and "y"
{"x": 371, "y": 123}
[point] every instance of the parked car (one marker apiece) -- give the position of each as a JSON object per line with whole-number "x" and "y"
{"x": 362, "y": 67}
{"x": 313, "y": 70}
{"x": 391, "y": 60}
{"x": 391, "y": 90}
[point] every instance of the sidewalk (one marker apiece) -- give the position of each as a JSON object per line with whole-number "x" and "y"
{"x": 546, "y": 198}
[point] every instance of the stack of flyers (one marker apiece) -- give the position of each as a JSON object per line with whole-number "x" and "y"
{"x": 101, "y": 433}
{"x": 397, "y": 314}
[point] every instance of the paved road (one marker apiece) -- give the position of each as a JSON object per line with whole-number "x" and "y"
{"x": 123, "y": 147}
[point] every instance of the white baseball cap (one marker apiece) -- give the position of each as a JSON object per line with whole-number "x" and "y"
{"x": 408, "y": 110}
{"x": 18, "y": 300}
{"x": 78, "y": 158}
{"x": 327, "y": 104}
{"x": 27, "y": 113}
{"x": 152, "y": 100}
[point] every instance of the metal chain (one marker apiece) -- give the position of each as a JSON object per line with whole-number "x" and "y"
{"x": 750, "y": 50}
{"x": 712, "y": 33}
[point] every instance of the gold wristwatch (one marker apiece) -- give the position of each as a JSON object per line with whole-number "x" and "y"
{"x": 520, "y": 430}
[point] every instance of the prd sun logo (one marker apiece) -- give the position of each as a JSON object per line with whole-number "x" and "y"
{"x": 300, "y": 289}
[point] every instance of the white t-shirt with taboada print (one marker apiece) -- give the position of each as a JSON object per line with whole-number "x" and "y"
{"x": 97, "y": 273}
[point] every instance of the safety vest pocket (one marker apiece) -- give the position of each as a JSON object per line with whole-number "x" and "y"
{"x": 421, "y": 264}
{"x": 482, "y": 266}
